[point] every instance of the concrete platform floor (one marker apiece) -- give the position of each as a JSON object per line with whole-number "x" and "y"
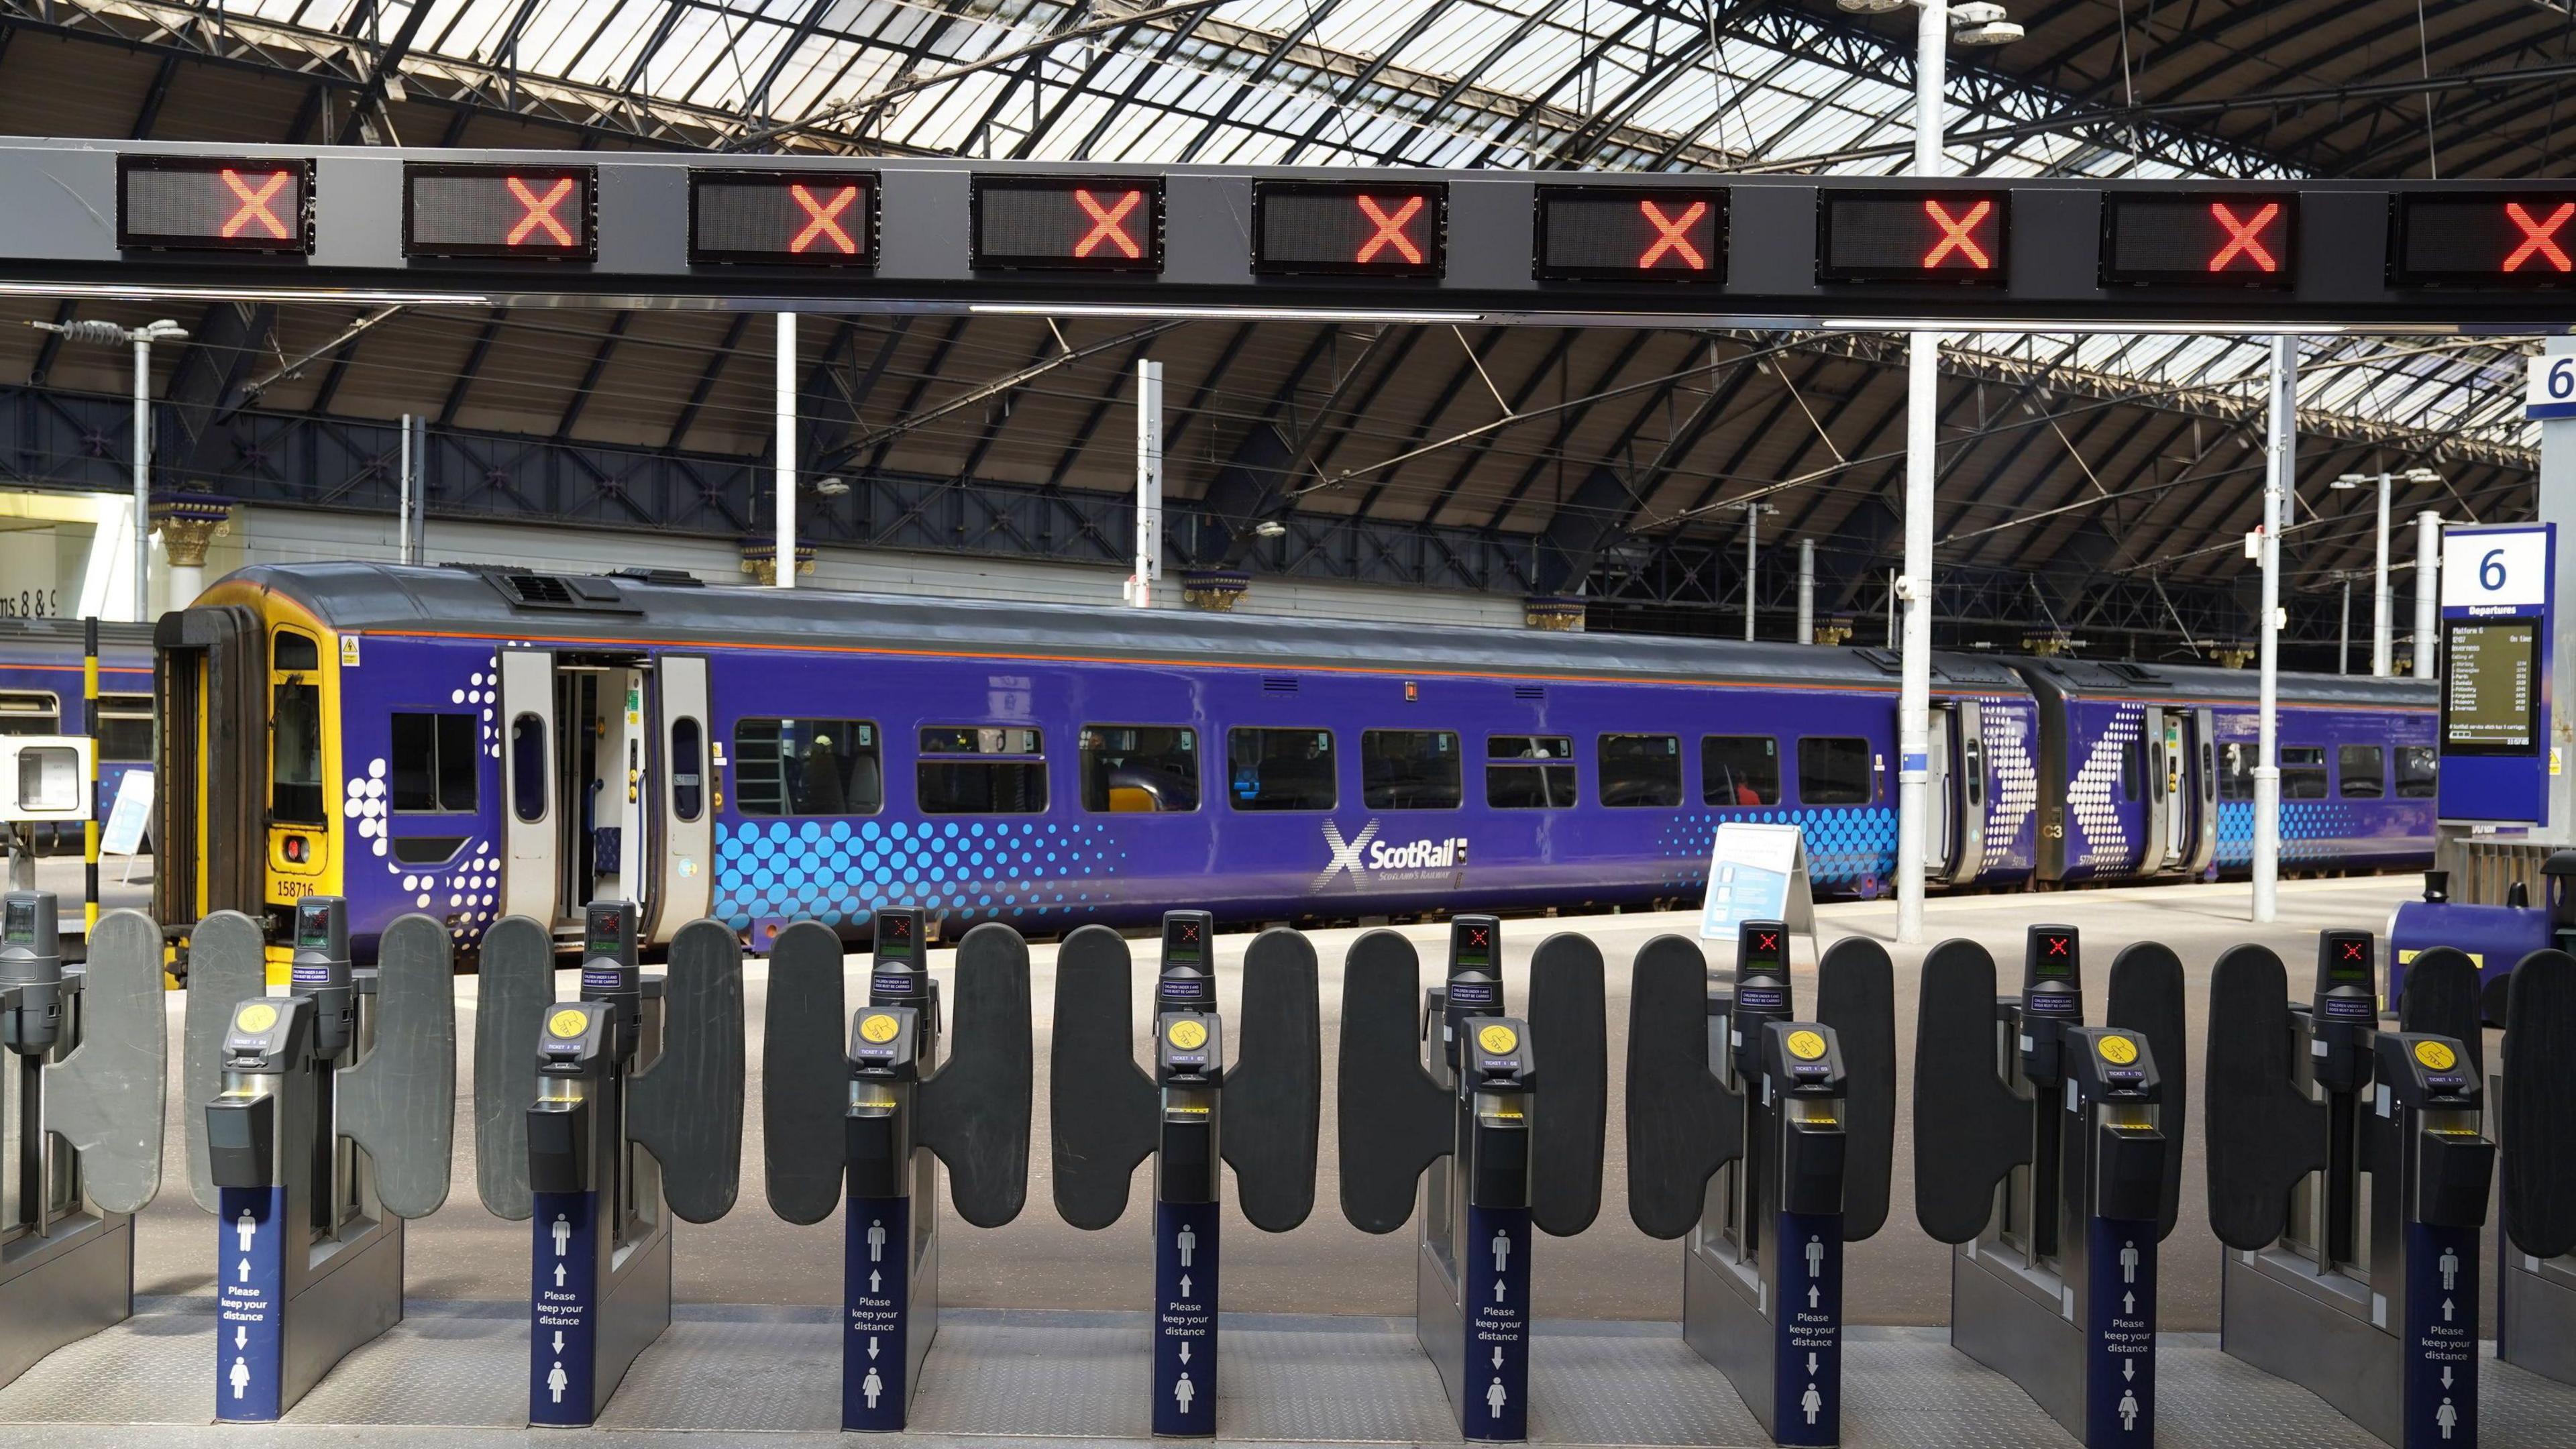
{"x": 1612, "y": 1272}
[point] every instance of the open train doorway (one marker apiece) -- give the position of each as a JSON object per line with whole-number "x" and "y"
{"x": 578, "y": 771}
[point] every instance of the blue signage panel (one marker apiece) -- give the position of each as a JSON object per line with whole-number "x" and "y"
{"x": 876, "y": 1298}
{"x": 2440, "y": 1402}
{"x": 1185, "y": 1299}
{"x": 2497, "y": 604}
{"x": 250, "y": 1292}
{"x": 1494, "y": 1276}
{"x": 2120, "y": 1335}
{"x": 563, "y": 1308}
{"x": 1807, "y": 1357}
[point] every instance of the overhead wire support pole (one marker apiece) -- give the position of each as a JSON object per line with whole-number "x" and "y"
{"x": 2428, "y": 594}
{"x": 2278, "y": 478}
{"x": 1149, "y": 484}
{"x": 141, "y": 337}
{"x": 785, "y": 567}
{"x": 2383, "y": 624}
{"x": 1922, "y": 402}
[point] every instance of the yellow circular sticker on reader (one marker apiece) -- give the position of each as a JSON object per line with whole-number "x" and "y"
{"x": 2437, "y": 1056}
{"x": 1188, "y": 1035}
{"x": 258, "y": 1016}
{"x": 2119, "y": 1051}
{"x": 1498, "y": 1039}
{"x": 1806, "y": 1046}
{"x": 879, "y": 1028}
{"x": 567, "y": 1023}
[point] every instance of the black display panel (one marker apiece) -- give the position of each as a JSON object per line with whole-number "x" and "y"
{"x": 2484, "y": 239}
{"x": 215, "y": 204}
{"x": 2052, "y": 953}
{"x": 1613, "y": 234}
{"x": 1913, "y": 236}
{"x": 802, "y": 218}
{"x": 2490, "y": 687}
{"x": 2205, "y": 239}
{"x": 500, "y": 211}
{"x": 1069, "y": 223}
{"x": 1351, "y": 229}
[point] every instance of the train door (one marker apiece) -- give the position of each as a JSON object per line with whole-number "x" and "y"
{"x": 531, "y": 879}
{"x": 2158, "y": 851}
{"x": 685, "y": 803}
{"x": 1939, "y": 848}
{"x": 2201, "y": 749}
{"x": 603, "y": 766}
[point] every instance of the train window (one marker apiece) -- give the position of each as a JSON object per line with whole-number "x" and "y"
{"x": 1280, "y": 769}
{"x": 2418, "y": 767}
{"x": 528, "y": 767}
{"x": 295, "y": 793}
{"x": 2361, "y": 772}
{"x": 2133, "y": 769}
{"x": 1140, "y": 769}
{"x": 433, "y": 763}
{"x": 1410, "y": 770}
{"x": 2303, "y": 772}
{"x": 1643, "y": 770}
{"x": 27, "y": 714}
{"x": 981, "y": 770}
{"x": 1739, "y": 770}
{"x": 1529, "y": 772}
{"x": 1833, "y": 771}
{"x": 688, "y": 767}
{"x": 293, "y": 651}
{"x": 2236, "y": 772}
{"x": 125, "y": 729}
{"x": 806, "y": 767}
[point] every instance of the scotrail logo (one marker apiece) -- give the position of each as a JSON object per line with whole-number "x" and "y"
{"x": 1362, "y": 853}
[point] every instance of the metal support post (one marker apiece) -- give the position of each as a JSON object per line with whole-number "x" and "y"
{"x": 142, "y": 339}
{"x": 1922, "y": 400}
{"x": 1149, "y": 485}
{"x": 2343, "y": 639}
{"x": 410, "y": 498}
{"x": 2278, "y": 478}
{"x": 2383, "y": 624}
{"x": 2428, "y": 594}
{"x": 1806, "y": 591}
{"x": 786, "y": 556}
{"x": 1752, "y": 564}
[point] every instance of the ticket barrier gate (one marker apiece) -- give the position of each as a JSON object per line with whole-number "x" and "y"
{"x": 1259, "y": 1112}
{"x": 860, "y": 1108}
{"x": 2536, "y": 1105}
{"x": 2369, "y": 1301}
{"x": 2049, "y": 1153}
{"x": 82, "y": 1089}
{"x": 598, "y": 1120}
{"x": 1517, "y": 1106}
{"x": 1764, "y": 1140}
{"x": 318, "y": 1121}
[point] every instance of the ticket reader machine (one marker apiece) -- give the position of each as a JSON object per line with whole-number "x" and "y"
{"x": 601, "y": 1118}
{"x": 859, "y": 1108}
{"x": 1763, "y": 1140}
{"x": 2536, "y": 1284}
{"x": 319, "y": 1120}
{"x": 2369, "y": 1300}
{"x": 2049, "y": 1152}
{"x": 1515, "y": 1104}
{"x": 1258, "y": 1108}
{"x": 81, "y": 1095}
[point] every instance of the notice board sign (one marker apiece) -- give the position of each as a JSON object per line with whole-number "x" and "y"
{"x": 2496, "y": 644}
{"x": 1757, "y": 873}
{"x": 129, "y": 816}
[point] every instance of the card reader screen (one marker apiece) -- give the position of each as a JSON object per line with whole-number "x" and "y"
{"x": 606, "y": 933}
{"x": 1472, "y": 945}
{"x": 20, "y": 929}
{"x": 2348, "y": 961}
{"x": 2053, "y": 955}
{"x": 313, "y": 927}
{"x": 1185, "y": 940}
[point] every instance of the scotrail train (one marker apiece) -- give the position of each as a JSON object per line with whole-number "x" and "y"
{"x": 476, "y": 742}
{"x": 40, "y": 694}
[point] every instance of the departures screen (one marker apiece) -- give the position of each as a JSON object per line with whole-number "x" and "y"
{"x": 2490, "y": 687}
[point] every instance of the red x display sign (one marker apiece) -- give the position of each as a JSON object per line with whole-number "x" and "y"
{"x": 211, "y": 204}
{"x": 2199, "y": 239}
{"x": 498, "y": 211}
{"x": 1622, "y": 234}
{"x": 1051, "y": 223}
{"x": 2524, "y": 238}
{"x": 1348, "y": 228}
{"x": 1948, "y": 236}
{"x": 797, "y": 218}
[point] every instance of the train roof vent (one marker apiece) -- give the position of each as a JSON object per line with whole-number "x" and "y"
{"x": 1885, "y": 659}
{"x": 1529, "y": 691}
{"x": 1278, "y": 684}
{"x": 660, "y": 578}
{"x": 572, "y": 592}
{"x": 2136, "y": 674}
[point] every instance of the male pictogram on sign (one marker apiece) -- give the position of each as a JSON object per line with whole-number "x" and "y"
{"x": 255, "y": 199}
{"x": 540, "y": 213}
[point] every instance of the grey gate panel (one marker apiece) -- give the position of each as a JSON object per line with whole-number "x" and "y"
{"x": 1569, "y": 1123}
{"x": 399, "y": 1101}
{"x": 975, "y": 1109}
{"x": 1684, "y": 1123}
{"x": 1104, "y": 1112}
{"x": 1274, "y": 1092}
{"x": 1395, "y": 1120}
{"x": 514, "y": 983}
{"x": 804, "y": 1074}
{"x": 227, "y": 965}
{"x": 107, "y": 1098}
{"x": 686, "y": 1109}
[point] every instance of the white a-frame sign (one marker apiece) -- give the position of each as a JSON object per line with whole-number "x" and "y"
{"x": 1758, "y": 873}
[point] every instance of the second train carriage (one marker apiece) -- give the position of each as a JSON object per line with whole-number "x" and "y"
{"x": 476, "y": 743}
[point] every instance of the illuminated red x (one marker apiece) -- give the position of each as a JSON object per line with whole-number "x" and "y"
{"x": 2352, "y": 951}
{"x": 1190, "y": 931}
{"x": 1476, "y": 936}
{"x": 826, "y": 222}
{"x": 2241, "y": 237}
{"x": 1766, "y": 941}
{"x": 1671, "y": 238}
{"x": 1107, "y": 224}
{"x": 541, "y": 211}
{"x": 2537, "y": 236}
{"x": 902, "y": 924}
{"x": 2056, "y": 945}
{"x": 254, "y": 204}
{"x": 1390, "y": 229}
{"x": 1954, "y": 234}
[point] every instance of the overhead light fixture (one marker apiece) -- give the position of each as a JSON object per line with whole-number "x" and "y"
{"x": 831, "y": 487}
{"x": 2349, "y": 480}
{"x": 1270, "y": 528}
{"x": 2422, "y": 475}
{"x": 1998, "y": 32}
{"x": 1871, "y": 7}
{"x": 1976, "y": 12}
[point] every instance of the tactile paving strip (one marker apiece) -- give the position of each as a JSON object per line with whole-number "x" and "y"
{"x": 1080, "y": 1379}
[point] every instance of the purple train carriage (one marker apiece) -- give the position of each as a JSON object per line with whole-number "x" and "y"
{"x": 40, "y": 694}
{"x": 478, "y": 742}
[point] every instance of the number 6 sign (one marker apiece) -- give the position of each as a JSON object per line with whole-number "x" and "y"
{"x": 2549, "y": 387}
{"x": 2498, "y": 568}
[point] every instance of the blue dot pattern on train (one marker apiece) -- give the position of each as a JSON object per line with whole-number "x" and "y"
{"x": 1848, "y": 846}
{"x": 2310, "y": 831}
{"x": 839, "y": 872}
